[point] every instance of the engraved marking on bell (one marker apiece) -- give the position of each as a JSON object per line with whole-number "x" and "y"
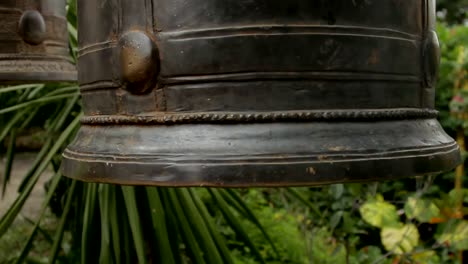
{"x": 32, "y": 27}
{"x": 139, "y": 61}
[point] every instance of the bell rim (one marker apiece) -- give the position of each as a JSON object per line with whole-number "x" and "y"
{"x": 182, "y": 175}
{"x": 189, "y": 167}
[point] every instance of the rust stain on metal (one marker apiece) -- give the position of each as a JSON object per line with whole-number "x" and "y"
{"x": 374, "y": 58}
{"x": 311, "y": 170}
{"x": 322, "y": 157}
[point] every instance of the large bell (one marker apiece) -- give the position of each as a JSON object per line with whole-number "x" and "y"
{"x": 34, "y": 42}
{"x": 233, "y": 93}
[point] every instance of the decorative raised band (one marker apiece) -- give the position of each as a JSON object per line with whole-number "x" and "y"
{"x": 42, "y": 65}
{"x": 262, "y": 117}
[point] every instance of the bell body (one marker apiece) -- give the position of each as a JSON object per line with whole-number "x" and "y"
{"x": 231, "y": 93}
{"x": 34, "y": 42}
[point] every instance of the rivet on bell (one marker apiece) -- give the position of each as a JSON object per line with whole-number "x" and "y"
{"x": 32, "y": 27}
{"x": 139, "y": 61}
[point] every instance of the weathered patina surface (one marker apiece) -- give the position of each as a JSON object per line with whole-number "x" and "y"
{"x": 34, "y": 42}
{"x": 257, "y": 92}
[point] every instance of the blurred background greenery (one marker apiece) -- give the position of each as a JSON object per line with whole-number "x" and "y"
{"x": 419, "y": 220}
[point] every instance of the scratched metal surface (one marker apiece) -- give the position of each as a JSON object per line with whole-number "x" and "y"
{"x": 245, "y": 93}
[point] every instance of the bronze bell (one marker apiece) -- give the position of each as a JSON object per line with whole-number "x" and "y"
{"x": 34, "y": 42}
{"x": 231, "y": 93}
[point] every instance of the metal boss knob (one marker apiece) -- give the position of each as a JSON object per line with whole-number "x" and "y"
{"x": 32, "y": 27}
{"x": 139, "y": 61}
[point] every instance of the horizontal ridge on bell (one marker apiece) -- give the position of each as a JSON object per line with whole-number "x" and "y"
{"x": 228, "y": 93}
{"x": 34, "y": 42}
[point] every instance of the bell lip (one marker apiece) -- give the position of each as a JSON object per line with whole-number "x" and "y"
{"x": 260, "y": 171}
{"x": 222, "y": 175}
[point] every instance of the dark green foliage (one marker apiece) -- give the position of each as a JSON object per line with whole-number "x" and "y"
{"x": 454, "y": 11}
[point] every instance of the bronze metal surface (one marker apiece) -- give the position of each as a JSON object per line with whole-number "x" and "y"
{"x": 231, "y": 93}
{"x": 34, "y": 42}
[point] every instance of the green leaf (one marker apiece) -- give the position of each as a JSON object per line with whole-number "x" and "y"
{"x": 10, "y": 156}
{"x": 206, "y": 241}
{"x": 295, "y": 194}
{"x": 29, "y": 244}
{"x": 41, "y": 100}
{"x": 56, "y": 127}
{"x": 456, "y": 196}
{"x": 185, "y": 226}
{"x": 173, "y": 225}
{"x": 400, "y": 240}
{"x": 426, "y": 257}
{"x": 64, "y": 90}
{"x": 19, "y": 87}
{"x": 379, "y": 213}
{"x": 114, "y": 224}
{"x": 43, "y": 232}
{"x": 234, "y": 200}
{"x": 134, "y": 220}
{"x": 87, "y": 242}
{"x": 13, "y": 211}
{"x": 104, "y": 200}
{"x": 39, "y": 159}
{"x": 220, "y": 242}
{"x": 337, "y": 190}
{"x": 11, "y": 123}
{"x": 456, "y": 236}
{"x": 61, "y": 227}
{"x": 235, "y": 224}
{"x": 422, "y": 210}
{"x": 336, "y": 219}
{"x": 158, "y": 217}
